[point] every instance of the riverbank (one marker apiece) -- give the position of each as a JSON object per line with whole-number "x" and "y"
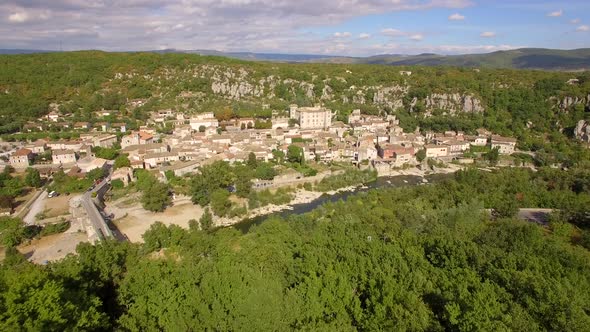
{"x": 132, "y": 220}
{"x": 301, "y": 196}
{"x": 305, "y": 197}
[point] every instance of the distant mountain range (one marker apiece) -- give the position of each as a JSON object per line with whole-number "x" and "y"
{"x": 524, "y": 58}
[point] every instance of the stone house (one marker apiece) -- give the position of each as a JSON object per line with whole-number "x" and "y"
{"x": 505, "y": 145}
{"x": 155, "y": 159}
{"x": 61, "y": 157}
{"x": 21, "y": 158}
{"x": 104, "y": 141}
{"x": 137, "y": 138}
{"x": 436, "y": 151}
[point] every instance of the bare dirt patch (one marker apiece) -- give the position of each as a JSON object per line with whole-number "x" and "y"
{"x": 133, "y": 221}
{"x": 57, "y": 206}
{"x": 52, "y": 247}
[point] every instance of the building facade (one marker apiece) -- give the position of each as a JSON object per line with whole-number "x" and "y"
{"x": 311, "y": 117}
{"x": 21, "y": 158}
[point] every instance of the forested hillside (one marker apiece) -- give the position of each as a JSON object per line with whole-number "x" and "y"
{"x": 426, "y": 258}
{"x": 524, "y": 58}
{"x": 505, "y": 101}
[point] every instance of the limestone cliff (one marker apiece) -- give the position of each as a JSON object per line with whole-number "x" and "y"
{"x": 582, "y": 131}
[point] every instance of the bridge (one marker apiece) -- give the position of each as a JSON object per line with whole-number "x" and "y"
{"x": 85, "y": 208}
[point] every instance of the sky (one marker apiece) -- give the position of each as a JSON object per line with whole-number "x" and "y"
{"x": 328, "y": 27}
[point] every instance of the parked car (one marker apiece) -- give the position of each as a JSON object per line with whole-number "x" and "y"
{"x": 53, "y": 194}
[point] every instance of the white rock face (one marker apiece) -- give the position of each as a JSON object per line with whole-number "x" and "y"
{"x": 454, "y": 103}
{"x": 244, "y": 83}
{"x": 390, "y": 96}
{"x": 582, "y": 131}
{"x": 568, "y": 101}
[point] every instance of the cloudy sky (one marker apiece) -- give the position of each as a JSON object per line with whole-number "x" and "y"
{"x": 336, "y": 27}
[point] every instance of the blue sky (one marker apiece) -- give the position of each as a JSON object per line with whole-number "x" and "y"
{"x": 336, "y": 27}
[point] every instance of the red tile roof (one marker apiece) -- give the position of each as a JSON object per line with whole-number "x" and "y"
{"x": 22, "y": 152}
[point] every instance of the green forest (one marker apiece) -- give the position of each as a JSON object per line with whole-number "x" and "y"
{"x": 421, "y": 258}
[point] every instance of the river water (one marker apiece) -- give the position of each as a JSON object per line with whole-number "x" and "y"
{"x": 381, "y": 182}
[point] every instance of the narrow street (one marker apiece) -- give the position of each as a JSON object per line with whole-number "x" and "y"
{"x": 36, "y": 208}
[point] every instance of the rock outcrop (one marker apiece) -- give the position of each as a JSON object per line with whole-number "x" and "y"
{"x": 582, "y": 131}
{"x": 243, "y": 83}
{"x": 453, "y": 103}
{"x": 568, "y": 101}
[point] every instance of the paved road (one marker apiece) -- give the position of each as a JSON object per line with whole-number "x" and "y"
{"x": 36, "y": 208}
{"x": 96, "y": 219}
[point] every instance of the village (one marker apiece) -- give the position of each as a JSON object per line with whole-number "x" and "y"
{"x": 366, "y": 142}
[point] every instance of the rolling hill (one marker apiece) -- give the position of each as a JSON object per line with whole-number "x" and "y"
{"x": 524, "y": 58}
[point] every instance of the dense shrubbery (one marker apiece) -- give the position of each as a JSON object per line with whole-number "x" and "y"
{"x": 280, "y": 196}
{"x": 413, "y": 258}
{"x": 155, "y": 194}
{"x": 350, "y": 177}
{"x": 13, "y": 231}
{"x": 65, "y": 184}
{"x": 50, "y": 229}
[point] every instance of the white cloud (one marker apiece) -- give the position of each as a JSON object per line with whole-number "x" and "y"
{"x": 456, "y": 17}
{"x": 392, "y": 32}
{"x": 417, "y": 37}
{"x": 488, "y": 34}
{"x": 466, "y": 49}
{"x": 583, "y": 28}
{"x": 18, "y": 17}
{"x": 557, "y": 13}
{"x": 342, "y": 34}
{"x": 275, "y": 26}
{"x": 575, "y": 21}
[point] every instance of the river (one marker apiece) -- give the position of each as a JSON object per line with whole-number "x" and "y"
{"x": 381, "y": 182}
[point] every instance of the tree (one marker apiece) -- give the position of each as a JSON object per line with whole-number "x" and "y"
{"x": 95, "y": 174}
{"x": 12, "y": 231}
{"x": 144, "y": 179}
{"x": 122, "y": 161}
{"x": 278, "y": 155}
{"x": 200, "y": 190}
{"x": 243, "y": 186}
{"x": 206, "y": 220}
{"x": 33, "y": 178}
{"x": 506, "y": 208}
{"x": 106, "y": 153}
{"x": 216, "y": 175}
{"x": 117, "y": 184}
{"x": 493, "y": 156}
{"x": 295, "y": 154}
{"x": 252, "y": 162}
{"x": 220, "y": 203}
{"x": 159, "y": 236}
{"x": 7, "y": 202}
{"x": 156, "y": 197}
{"x": 420, "y": 155}
{"x": 202, "y": 129}
{"x": 12, "y": 187}
{"x": 265, "y": 171}
{"x": 224, "y": 114}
